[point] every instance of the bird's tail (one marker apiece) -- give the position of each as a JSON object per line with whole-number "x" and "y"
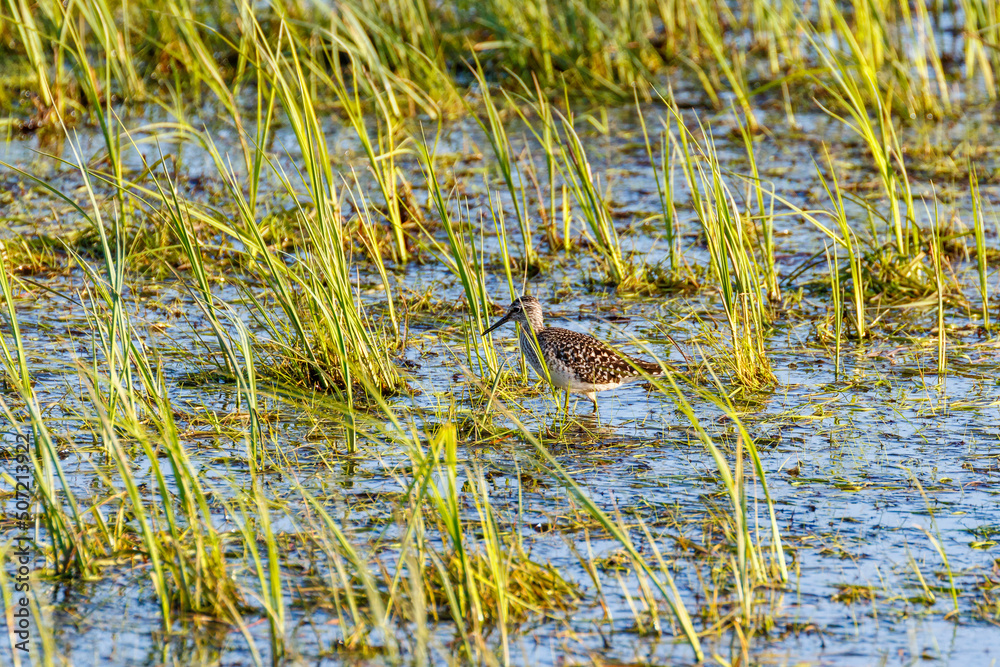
{"x": 650, "y": 367}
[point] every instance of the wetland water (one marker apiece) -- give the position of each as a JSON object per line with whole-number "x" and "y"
{"x": 884, "y": 473}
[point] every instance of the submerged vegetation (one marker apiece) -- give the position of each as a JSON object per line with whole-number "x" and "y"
{"x": 248, "y": 250}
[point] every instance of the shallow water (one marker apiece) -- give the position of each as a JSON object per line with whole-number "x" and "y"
{"x": 860, "y": 463}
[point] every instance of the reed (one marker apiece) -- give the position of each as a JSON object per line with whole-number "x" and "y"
{"x": 381, "y": 154}
{"x": 855, "y": 90}
{"x": 936, "y": 542}
{"x": 409, "y": 53}
{"x": 339, "y": 345}
{"x": 72, "y": 549}
{"x": 128, "y": 398}
{"x": 937, "y": 268}
{"x": 848, "y": 240}
{"x": 32, "y": 40}
{"x": 584, "y": 185}
{"x": 756, "y": 565}
{"x": 594, "y": 45}
{"x": 731, "y": 64}
{"x": 664, "y": 184}
{"x": 368, "y": 235}
{"x": 534, "y": 99}
{"x": 928, "y": 595}
{"x": 189, "y": 571}
{"x": 764, "y": 216}
{"x": 397, "y": 51}
{"x": 979, "y": 227}
{"x": 982, "y": 24}
{"x": 837, "y": 305}
{"x": 663, "y": 581}
{"x": 465, "y": 263}
{"x": 504, "y": 154}
{"x": 733, "y": 264}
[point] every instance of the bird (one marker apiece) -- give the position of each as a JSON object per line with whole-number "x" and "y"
{"x": 569, "y": 360}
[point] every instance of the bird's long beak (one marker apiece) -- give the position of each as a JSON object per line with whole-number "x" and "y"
{"x": 501, "y": 321}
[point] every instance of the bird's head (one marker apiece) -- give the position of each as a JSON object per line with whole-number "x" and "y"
{"x": 527, "y": 310}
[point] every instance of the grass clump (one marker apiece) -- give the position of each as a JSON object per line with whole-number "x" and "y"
{"x": 734, "y": 266}
{"x": 531, "y": 588}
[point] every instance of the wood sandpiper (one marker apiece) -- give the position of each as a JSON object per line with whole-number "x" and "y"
{"x": 573, "y": 361}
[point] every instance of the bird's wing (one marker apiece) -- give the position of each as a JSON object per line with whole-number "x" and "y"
{"x": 592, "y": 360}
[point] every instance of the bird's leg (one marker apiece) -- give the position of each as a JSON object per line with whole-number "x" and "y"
{"x": 593, "y": 399}
{"x": 566, "y": 404}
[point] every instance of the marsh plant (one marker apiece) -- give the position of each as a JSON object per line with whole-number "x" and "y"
{"x": 734, "y": 265}
{"x": 248, "y": 251}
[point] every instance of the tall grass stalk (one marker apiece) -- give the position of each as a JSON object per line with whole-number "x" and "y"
{"x": 255, "y": 526}
{"x": 582, "y": 183}
{"x": 496, "y": 133}
{"x": 664, "y": 182}
{"x": 926, "y": 60}
{"x": 462, "y": 592}
{"x": 496, "y": 212}
{"x": 732, "y": 64}
{"x": 979, "y": 226}
{"x": 348, "y": 563}
{"x": 113, "y": 331}
{"x": 846, "y": 238}
{"x": 369, "y": 239}
{"x": 396, "y": 51}
{"x": 837, "y": 299}
{"x": 732, "y": 261}
{"x": 565, "y": 153}
{"x": 752, "y": 568}
{"x": 178, "y": 215}
{"x": 936, "y": 251}
{"x": 574, "y": 43}
{"x": 9, "y": 603}
{"x": 937, "y": 542}
{"x": 73, "y": 548}
{"x": 460, "y": 256}
{"x": 535, "y": 99}
{"x": 764, "y": 216}
{"x": 42, "y": 610}
{"x": 929, "y": 597}
{"x": 189, "y": 569}
{"x": 381, "y": 155}
{"x": 498, "y": 561}
{"x": 22, "y": 17}
{"x": 183, "y": 584}
{"x": 405, "y": 52}
{"x": 244, "y": 368}
{"x": 982, "y": 27}
{"x": 856, "y": 91}
{"x": 193, "y": 555}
